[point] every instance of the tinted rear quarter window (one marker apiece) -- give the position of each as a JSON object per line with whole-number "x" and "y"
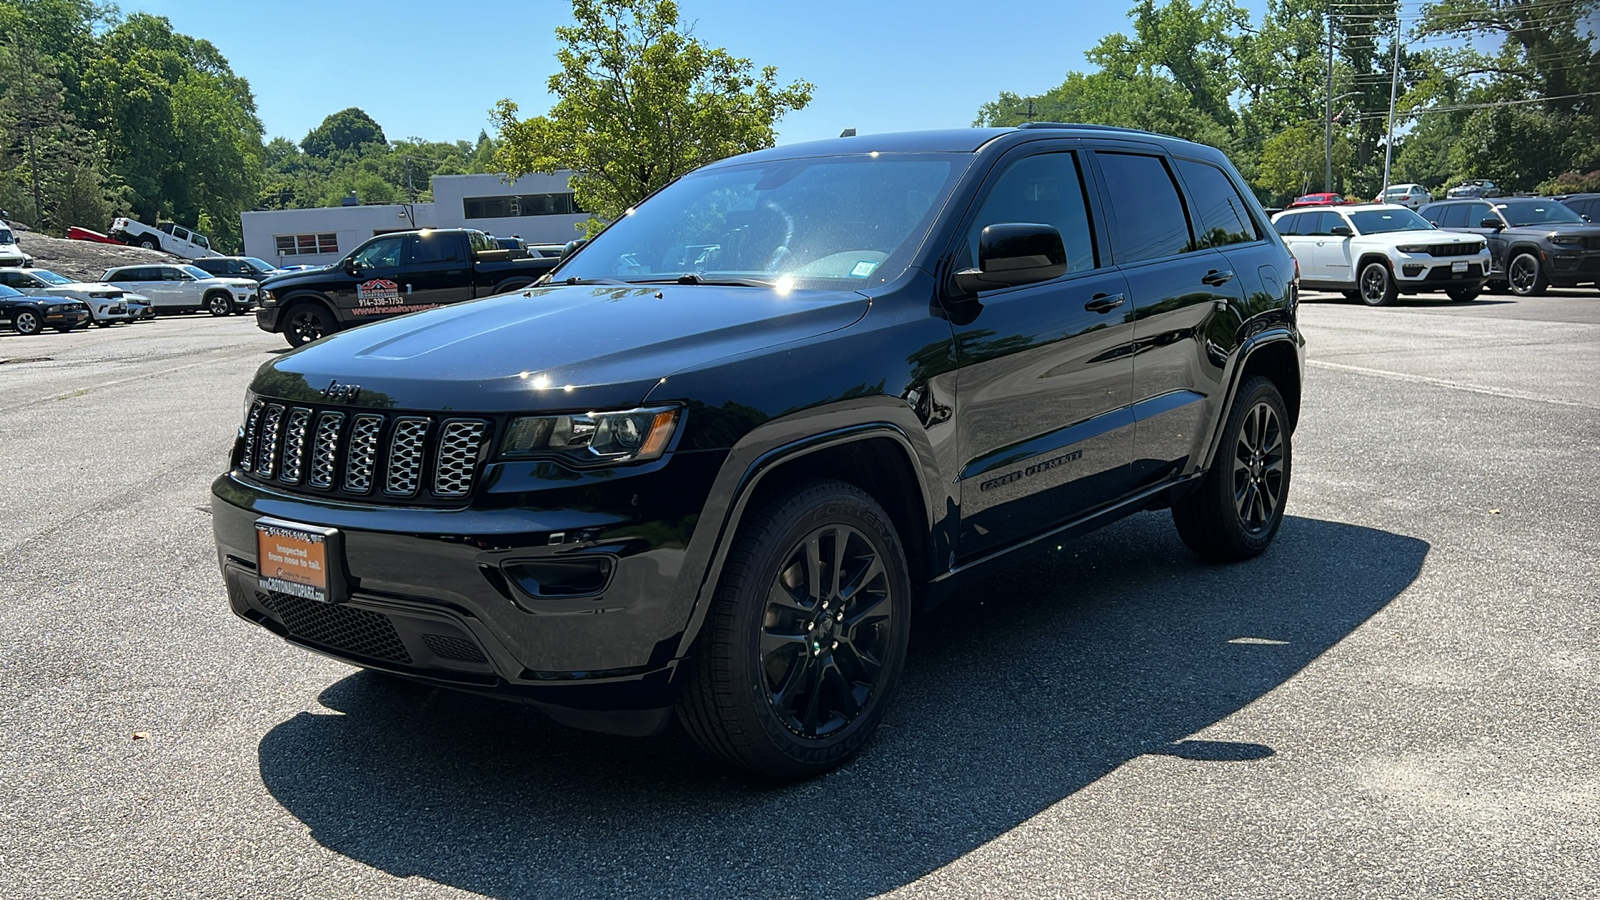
{"x": 1289, "y": 224}
{"x": 1224, "y": 218}
{"x": 1149, "y": 221}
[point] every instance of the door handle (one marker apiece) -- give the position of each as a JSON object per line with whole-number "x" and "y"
{"x": 1216, "y": 278}
{"x": 1104, "y": 302}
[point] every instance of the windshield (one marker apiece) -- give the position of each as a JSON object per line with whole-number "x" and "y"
{"x": 1378, "y": 221}
{"x": 9, "y": 292}
{"x": 197, "y": 272}
{"x": 49, "y": 277}
{"x": 6, "y": 236}
{"x": 260, "y": 265}
{"x": 1539, "y": 212}
{"x": 834, "y": 222}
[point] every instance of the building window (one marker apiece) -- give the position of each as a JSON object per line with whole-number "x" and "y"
{"x": 524, "y": 205}
{"x": 306, "y": 244}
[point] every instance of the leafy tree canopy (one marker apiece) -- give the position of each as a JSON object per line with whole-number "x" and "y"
{"x": 641, "y": 101}
{"x": 344, "y": 130}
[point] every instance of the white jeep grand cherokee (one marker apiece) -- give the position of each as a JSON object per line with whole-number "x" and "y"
{"x": 1375, "y": 252}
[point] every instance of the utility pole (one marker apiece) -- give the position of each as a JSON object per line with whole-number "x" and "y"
{"x": 1327, "y": 114}
{"x": 1394, "y": 83}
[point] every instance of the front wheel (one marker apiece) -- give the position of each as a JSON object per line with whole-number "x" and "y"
{"x": 306, "y": 322}
{"x": 1463, "y": 294}
{"x": 1377, "y": 285}
{"x": 1525, "y": 276}
{"x": 1235, "y": 511}
{"x": 27, "y": 322}
{"x": 219, "y": 305}
{"x": 805, "y": 637}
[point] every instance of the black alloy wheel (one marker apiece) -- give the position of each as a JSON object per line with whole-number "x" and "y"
{"x": 1236, "y": 510}
{"x": 805, "y": 638}
{"x": 219, "y": 305}
{"x": 1377, "y": 285}
{"x": 27, "y": 322}
{"x": 1525, "y": 276}
{"x": 304, "y": 323}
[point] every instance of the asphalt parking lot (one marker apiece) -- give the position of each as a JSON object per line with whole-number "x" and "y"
{"x": 1397, "y": 700}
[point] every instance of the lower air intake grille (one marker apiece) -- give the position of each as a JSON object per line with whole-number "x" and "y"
{"x": 453, "y": 648}
{"x": 359, "y": 632}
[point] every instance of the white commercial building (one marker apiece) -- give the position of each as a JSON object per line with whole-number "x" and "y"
{"x": 536, "y": 208}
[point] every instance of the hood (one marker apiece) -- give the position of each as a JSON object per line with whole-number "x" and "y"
{"x": 555, "y": 348}
{"x": 281, "y": 280}
{"x": 84, "y": 287}
{"x": 234, "y": 281}
{"x": 1583, "y": 229}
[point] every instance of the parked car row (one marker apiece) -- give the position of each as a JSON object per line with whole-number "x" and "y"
{"x": 1376, "y": 252}
{"x": 105, "y": 304}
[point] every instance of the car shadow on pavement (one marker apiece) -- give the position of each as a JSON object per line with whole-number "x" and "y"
{"x": 1017, "y": 694}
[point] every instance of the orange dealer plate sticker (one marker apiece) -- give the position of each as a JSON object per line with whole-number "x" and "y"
{"x": 296, "y": 560}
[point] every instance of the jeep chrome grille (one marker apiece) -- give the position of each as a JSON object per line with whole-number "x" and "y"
{"x": 403, "y": 456}
{"x": 458, "y": 457}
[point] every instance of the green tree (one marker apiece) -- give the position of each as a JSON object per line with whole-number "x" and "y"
{"x": 344, "y": 130}
{"x": 1292, "y": 160}
{"x": 1139, "y": 100}
{"x": 640, "y": 102}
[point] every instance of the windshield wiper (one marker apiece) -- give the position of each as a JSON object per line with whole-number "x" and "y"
{"x": 576, "y": 280}
{"x": 695, "y": 278}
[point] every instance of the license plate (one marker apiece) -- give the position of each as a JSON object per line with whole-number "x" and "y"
{"x": 299, "y": 560}
{"x": 1458, "y": 266}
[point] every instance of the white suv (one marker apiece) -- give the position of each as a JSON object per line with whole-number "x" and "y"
{"x": 1376, "y": 252}
{"x": 184, "y": 288}
{"x": 10, "y": 253}
{"x": 107, "y": 303}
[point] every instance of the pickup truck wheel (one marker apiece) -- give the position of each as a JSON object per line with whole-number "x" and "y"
{"x": 1235, "y": 511}
{"x": 1377, "y": 285}
{"x": 149, "y": 243}
{"x": 304, "y": 322}
{"x": 805, "y": 637}
{"x": 27, "y": 322}
{"x": 219, "y": 304}
{"x": 1463, "y": 295}
{"x": 1525, "y": 276}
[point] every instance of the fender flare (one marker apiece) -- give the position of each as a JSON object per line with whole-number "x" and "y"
{"x": 305, "y": 296}
{"x": 750, "y": 476}
{"x": 1270, "y": 337}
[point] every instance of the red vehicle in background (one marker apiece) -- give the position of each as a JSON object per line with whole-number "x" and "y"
{"x": 1324, "y": 199}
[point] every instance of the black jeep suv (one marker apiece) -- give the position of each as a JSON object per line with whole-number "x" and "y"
{"x": 1535, "y": 242}
{"x": 718, "y": 462}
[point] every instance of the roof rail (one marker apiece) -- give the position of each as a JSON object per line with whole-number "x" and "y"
{"x": 1083, "y": 125}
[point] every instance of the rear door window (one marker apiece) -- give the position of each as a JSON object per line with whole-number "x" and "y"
{"x": 1149, "y": 221}
{"x": 1224, "y": 218}
{"x": 433, "y": 249}
{"x": 1454, "y": 216}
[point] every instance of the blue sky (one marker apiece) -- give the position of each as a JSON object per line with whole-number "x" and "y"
{"x": 431, "y": 70}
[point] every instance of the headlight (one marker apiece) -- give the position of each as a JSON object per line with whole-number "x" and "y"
{"x": 1566, "y": 238}
{"x": 55, "y": 310}
{"x": 267, "y": 299}
{"x": 1413, "y": 248}
{"x": 636, "y": 435}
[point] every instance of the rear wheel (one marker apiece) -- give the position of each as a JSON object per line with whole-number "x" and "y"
{"x": 805, "y": 637}
{"x": 149, "y": 243}
{"x": 1525, "y": 276}
{"x": 304, "y": 322}
{"x": 1463, "y": 294}
{"x": 1235, "y": 511}
{"x": 27, "y": 322}
{"x": 219, "y": 304}
{"x": 1377, "y": 285}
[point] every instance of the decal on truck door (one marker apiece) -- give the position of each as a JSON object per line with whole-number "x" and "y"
{"x": 378, "y": 292}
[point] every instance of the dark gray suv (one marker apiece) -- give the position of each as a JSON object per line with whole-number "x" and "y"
{"x": 1536, "y": 242}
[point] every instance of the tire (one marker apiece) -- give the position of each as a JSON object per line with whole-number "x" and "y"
{"x": 1376, "y": 284}
{"x": 219, "y": 305}
{"x": 782, "y": 680}
{"x": 27, "y": 322}
{"x": 101, "y": 323}
{"x": 306, "y": 321}
{"x": 1463, "y": 295}
{"x": 1235, "y": 511}
{"x": 149, "y": 243}
{"x": 63, "y": 331}
{"x": 1525, "y": 276}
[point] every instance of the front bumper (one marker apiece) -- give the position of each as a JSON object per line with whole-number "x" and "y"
{"x": 441, "y": 595}
{"x": 1569, "y": 266}
{"x": 267, "y": 318}
{"x": 1417, "y": 272}
{"x": 66, "y": 320}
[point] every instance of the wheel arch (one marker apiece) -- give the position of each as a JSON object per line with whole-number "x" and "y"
{"x": 1372, "y": 256}
{"x": 290, "y": 301}
{"x": 878, "y": 458}
{"x": 1275, "y": 355}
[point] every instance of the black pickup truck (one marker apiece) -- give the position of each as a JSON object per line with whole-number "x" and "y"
{"x": 391, "y": 275}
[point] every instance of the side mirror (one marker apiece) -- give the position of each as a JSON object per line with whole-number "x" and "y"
{"x": 351, "y": 269}
{"x": 1491, "y": 222}
{"x": 1341, "y": 231}
{"x": 572, "y": 247}
{"x": 1015, "y": 254}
